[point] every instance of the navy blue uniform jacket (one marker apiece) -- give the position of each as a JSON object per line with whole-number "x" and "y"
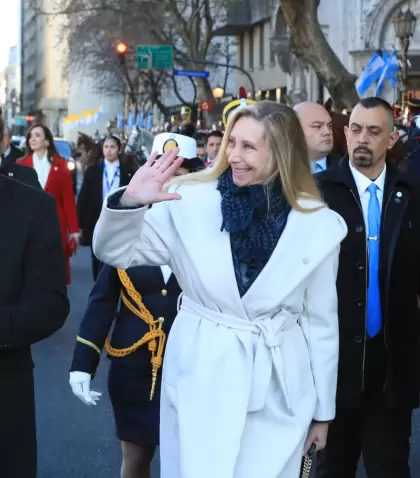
{"x": 104, "y": 307}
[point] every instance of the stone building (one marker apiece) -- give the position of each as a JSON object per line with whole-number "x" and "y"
{"x": 353, "y": 28}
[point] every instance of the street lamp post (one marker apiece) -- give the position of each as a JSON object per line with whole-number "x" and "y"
{"x": 404, "y": 24}
{"x": 218, "y": 93}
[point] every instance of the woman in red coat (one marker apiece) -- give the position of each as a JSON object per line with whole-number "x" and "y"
{"x": 55, "y": 178}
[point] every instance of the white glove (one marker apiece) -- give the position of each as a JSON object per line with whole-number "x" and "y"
{"x": 80, "y": 385}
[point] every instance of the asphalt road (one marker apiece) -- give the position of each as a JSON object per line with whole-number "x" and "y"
{"x": 76, "y": 440}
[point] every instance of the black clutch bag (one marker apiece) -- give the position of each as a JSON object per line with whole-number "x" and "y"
{"x": 305, "y": 470}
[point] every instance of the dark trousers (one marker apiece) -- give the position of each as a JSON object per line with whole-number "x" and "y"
{"x": 379, "y": 434}
{"x": 96, "y": 265}
{"x": 18, "y": 454}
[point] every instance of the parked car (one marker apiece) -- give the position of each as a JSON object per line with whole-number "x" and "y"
{"x": 64, "y": 150}
{"x": 17, "y": 140}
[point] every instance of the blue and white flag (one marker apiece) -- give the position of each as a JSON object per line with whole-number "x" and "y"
{"x": 120, "y": 121}
{"x": 140, "y": 119}
{"x": 371, "y": 73}
{"x": 389, "y": 72}
{"x": 149, "y": 119}
{"x": 131, "y": 119}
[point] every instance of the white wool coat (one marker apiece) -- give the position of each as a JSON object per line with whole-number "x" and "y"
{"x": 243, "y": 377}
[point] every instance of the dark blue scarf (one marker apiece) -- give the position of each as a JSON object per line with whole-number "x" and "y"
{"x": 255, "y": 217}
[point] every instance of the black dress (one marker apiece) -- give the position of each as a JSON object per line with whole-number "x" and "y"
{"x": 130, "y": 376}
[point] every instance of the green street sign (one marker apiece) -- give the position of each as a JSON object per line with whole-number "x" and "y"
{"x": 154, "y": 57}
{"x": 19, "y": 121}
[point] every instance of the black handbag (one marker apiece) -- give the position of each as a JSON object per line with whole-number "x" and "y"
{"x": 307, "y": 460}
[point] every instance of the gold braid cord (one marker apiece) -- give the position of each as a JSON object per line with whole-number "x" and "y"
{"x": 307, "y": 465}
{"x": 155, "y": 338}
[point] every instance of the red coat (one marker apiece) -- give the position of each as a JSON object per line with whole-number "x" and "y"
{"x": 59, "y": 184}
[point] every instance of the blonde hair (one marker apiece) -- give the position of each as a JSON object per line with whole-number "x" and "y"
{"x": 287, "y": 152}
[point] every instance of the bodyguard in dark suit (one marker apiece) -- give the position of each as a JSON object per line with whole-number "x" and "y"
{"x": 131, "y": 373}
{"x": 99, "y": 180}
{"x": 10, "y": 153}
{"x": 33, "y": 305}
{"x": 378, "y": 284}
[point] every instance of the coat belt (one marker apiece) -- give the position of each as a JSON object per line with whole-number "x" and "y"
{"x": 271, "y": 332}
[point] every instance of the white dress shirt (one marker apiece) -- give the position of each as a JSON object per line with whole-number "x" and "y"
{"x": 42, "y": 167}
{"x": 5, "y": 154}
{"x": 166, "y": 271}
{"x": 112, "y": 175}
{"x": 362, "y": 184}
{"x": 320, "y": 165}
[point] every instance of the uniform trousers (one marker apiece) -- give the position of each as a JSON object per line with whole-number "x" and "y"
{"x": 381, "y": 435}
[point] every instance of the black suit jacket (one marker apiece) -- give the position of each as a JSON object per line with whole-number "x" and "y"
{"x": 399, "y": 282}
{"x": 90, "y": 199}
{"x": 21, "y": 173}
{"x": 14, "y": 154}
{"x": 33, "y": 305}
{"x": 332, "y": 160}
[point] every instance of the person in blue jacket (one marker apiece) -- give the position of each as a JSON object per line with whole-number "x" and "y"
{"x": 142, "y": 302}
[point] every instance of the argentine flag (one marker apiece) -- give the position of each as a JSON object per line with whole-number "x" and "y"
{"x": 389, "y": 72}
{"x": 131, "y": 120}
{"x": 120, "y": 121}
{"x": 140, "y": 119}
{"x": 371, "y": 73}
{"x": 149, "y": 119}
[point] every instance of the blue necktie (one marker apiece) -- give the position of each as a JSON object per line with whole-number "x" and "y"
{"x": 374, "y": 314}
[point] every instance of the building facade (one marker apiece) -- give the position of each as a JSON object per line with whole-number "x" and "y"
{"x": 250, "y": 22}
{"x": 12, "y": 87}
{"x": 353, "y": 28}
{"x": 44, "y": 88}
{"x": 89, "y": 111}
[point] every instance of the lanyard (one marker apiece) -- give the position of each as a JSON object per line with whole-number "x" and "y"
{"x": 116, "y": 174}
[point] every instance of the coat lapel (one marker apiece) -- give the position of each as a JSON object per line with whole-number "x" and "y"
{"x": 213, "y": 260}
{"x": 303, "y": 246}
{"x": 396, "y": 198}
{"x": 126, "y": 175}
{"x": 52, "y": 174}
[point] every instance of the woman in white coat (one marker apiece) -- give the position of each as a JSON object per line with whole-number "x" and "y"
{"x": 250, "y": 368}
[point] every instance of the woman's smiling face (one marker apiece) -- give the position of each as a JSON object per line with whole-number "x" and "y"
{"x": 247, "y": 153}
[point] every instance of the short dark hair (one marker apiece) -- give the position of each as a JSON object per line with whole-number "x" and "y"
{"x": 376, "y": 102}
{"x": 215, "y": 134}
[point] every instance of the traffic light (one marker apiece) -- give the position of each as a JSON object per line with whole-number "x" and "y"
{"x": 121, "y": 49}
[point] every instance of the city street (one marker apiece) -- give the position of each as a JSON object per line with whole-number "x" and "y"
{"x": 74, "y": 439}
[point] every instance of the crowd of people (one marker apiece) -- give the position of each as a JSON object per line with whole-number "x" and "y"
{"x": 295, "y": 329}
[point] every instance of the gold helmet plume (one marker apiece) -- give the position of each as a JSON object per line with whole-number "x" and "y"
{"x": 233, "y": 105}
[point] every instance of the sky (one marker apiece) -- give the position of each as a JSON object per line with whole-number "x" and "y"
{"x": 9, "y": 30}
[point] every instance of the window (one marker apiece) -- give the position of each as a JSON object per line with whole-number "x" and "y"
{"x": 262, "y": 45}
{"x": 272, "y": 54}
{"x": 251, "y": 49}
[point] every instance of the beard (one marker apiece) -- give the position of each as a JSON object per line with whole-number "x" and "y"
{"x": 365, "y": 157}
